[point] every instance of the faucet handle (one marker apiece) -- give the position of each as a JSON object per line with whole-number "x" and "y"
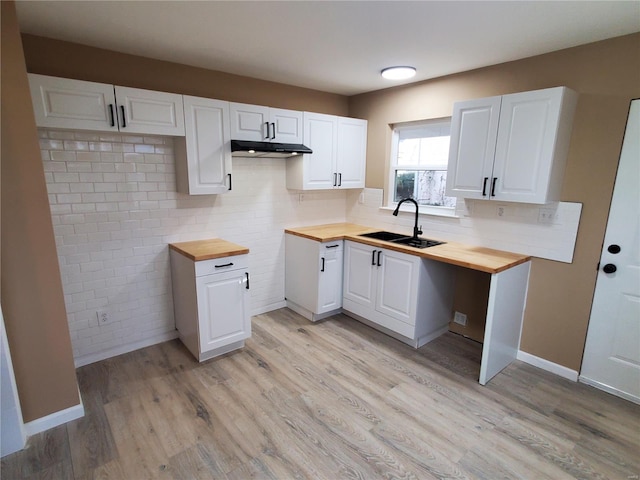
{"x": 419, "y": 232}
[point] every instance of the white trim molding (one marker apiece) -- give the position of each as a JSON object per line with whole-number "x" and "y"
{"x": 609, "y": 389}
{"x": 55, "y": 419}
{"x": 559, "y": 370}
{"x": 129, "y": 347}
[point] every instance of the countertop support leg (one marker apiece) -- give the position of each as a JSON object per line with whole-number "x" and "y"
{"x": 505, "y": 312}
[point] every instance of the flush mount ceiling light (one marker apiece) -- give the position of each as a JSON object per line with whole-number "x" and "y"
{"x": 398, "y": 73}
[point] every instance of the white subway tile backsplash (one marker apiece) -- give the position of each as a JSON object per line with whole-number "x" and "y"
{"x": 113, "y": 227}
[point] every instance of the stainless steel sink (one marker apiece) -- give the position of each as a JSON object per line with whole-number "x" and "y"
{"x": 386, "y": 236}
{"x": 417, "y": 242}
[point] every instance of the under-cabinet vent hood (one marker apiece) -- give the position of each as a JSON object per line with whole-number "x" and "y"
{"x": 244, "y": 148}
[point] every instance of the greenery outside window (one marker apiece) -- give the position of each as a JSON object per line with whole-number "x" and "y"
{"x": 419, "y": 157}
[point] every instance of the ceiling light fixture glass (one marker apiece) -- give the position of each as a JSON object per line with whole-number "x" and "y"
{"x": 398, "y": 73}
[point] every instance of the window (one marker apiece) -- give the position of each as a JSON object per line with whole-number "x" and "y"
{"x": 419, "y": 157}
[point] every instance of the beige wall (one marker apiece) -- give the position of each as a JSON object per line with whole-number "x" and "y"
{"x": 70, "y": 60}
{"x": 32, "y": 299}
{"x": 607, "y": 76}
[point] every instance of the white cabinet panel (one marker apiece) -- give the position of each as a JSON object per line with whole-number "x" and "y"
{"x": 360, "y": 274}
{"x": 351, "y": 152}
{"x": 149, "y": 112}
{"x": 397, "y": 292}
{"x": 80, "y": 105}
{"x": 264, "y": 124}
{"x": 398, "y": 286}
{"x": 286, "y": 125}
{"x": 211, "y": 303}
{"x": 474, "y": 127}
{"x": 204, "y": 161}
{"x": 511, "y": 148}
{"x": 313, "y": 276}
{"x": 222, "y": 309}
{"x": 338, "y": 160}
{"x": 66, "y": 103}
{"x": 249, "y": 122}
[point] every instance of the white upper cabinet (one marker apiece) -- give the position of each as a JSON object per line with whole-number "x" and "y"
{"x": 264, "y": 124}
{"x": 149, "y": 112}
{"x": 511, "y": 148}
{"x": 339, "y": 146}
{"x": 65, "y": 103}
{"x": 352, "y": 152}
{"x": 203, "y": 157}
{"x": 76, "y": 104}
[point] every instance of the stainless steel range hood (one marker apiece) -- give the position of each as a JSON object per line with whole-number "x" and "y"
{"x": 244, "y": 148}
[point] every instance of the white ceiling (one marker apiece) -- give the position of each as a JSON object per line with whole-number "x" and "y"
{"x": 333, "y": 46}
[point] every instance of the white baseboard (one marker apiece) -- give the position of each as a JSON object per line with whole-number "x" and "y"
{"x": 559, "y": 370}
{"x": 269, "y": 308}
{"x": 119, "y": 350}
{"x": 55, "y": 419}
{"x": 609, "y": 389}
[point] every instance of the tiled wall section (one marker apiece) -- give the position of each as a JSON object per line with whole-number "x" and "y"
{"x": 516, "y": 227}
{"x": 115, "y": 209}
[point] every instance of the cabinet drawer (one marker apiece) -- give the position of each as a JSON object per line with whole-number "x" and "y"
{"x": 224, "y": 264}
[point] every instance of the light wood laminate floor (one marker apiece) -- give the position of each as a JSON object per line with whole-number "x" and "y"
{"x": 332, "y": 400}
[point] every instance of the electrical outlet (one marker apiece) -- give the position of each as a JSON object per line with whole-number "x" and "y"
{"x": 548, "y": 215}
{"x": 103, "y": 317}
{"x": 460, "y": 319}
{"x": 300, "y": 197}
{"x": 501, "y": 210}
{"x": 361, "y": 198}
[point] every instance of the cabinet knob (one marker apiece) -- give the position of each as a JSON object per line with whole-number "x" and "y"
{"x": 614, "y": 249}
{"x": 609, "y": 268}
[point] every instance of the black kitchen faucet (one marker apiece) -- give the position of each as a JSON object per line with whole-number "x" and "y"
{"x": 416, "y": 231}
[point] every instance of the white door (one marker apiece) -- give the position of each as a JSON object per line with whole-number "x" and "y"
{"x": 223, "y": 315}
{"x": 320, "y": 135}
{"x": 360, "y": 273}
{"x": 397, "y": 285}
{"x": 352, "y": 152}
{"x": 285, "y": 126}
{"x": 525, "y": 145}
{"x": 330, "y": 282}
{"x": 474, "y": 128}
{"x": 149, "y": 112}
{"x": 66, "y": 103}
{"x": 611, "y": 358}
{"x": 208, "y": 146}
{"x": 249, "y": 122}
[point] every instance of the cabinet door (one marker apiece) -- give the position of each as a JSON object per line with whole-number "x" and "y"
{"x": 525, "y": 145}
{"x": 286, "y": 125}
{"x": 474, "y": 127}
{"x": 351, "y": 152}
{"x": 249, "y": 122}
{"x": 149, "y": 112}
{"x": 65, "y": 103}
{"x": 360, "y": 274}
{"x": 208, "y": 145}
{"x": 398, "y": 286}
{"x": 330, "y": 284}
{"x": 320, "y": 134}
{"x": 223, "y": 313}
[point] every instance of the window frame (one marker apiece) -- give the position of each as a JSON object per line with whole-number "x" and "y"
{"x": 391, "y": 204}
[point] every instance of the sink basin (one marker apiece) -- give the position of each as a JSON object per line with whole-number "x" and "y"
{"x": 386, "y": 236}
{"x": 402, "y": 239}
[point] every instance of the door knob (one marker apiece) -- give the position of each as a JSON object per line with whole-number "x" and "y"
{"x": 613, "y": 249}
{"x": 609, "y": 268}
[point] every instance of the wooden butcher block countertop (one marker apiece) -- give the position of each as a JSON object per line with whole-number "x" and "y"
{"x": 207, "y": 249}
{"x": 468, "y": 256}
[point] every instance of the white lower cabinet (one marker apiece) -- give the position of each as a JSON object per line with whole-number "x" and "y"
{"x": 403, "y": 295}
{"x": 211, "y": 303}
{"x": 313, "y": 276}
